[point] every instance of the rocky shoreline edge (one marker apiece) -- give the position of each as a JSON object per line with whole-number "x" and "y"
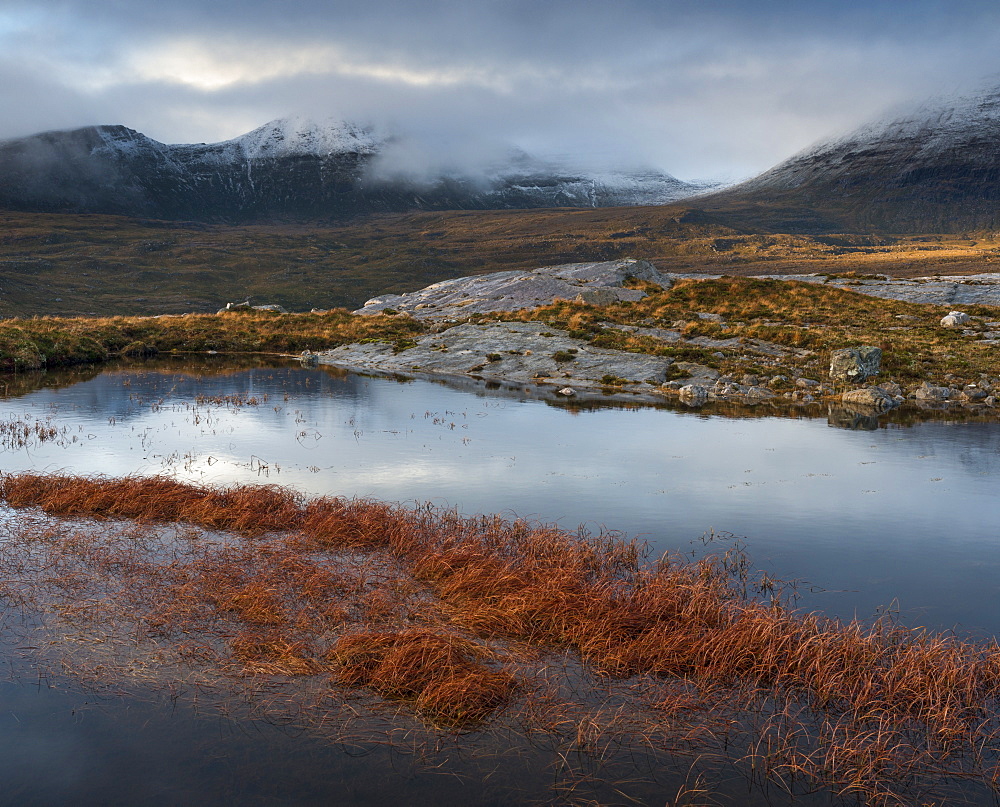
{"x": 537, "y": 360}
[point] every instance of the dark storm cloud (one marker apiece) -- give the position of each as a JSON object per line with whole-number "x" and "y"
{"x": 697, "y": 88}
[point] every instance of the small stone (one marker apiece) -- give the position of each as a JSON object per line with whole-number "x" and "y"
{"x": 929, "y": 392}
{"x": 758, "y": 394}
{"x": 567, "y": 391}
{"x": 693, "y": 394}
{"x": 892, "y": 388}
{"x": 806, "y": 383}
{"x": 955, "y": 319}
{"x": 874, "y": 397}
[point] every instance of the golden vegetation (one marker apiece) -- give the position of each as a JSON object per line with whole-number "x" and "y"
{"x": 450, "y": 613}
{"x": 51, "y": 341}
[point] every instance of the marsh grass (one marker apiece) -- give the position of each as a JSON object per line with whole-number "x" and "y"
{"x": 796, "y": 315}
{"x": 461, "y": 618}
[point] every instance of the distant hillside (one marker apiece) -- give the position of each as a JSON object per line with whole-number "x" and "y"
{"x": 57, "y": 263}
{"x": 287, "y": 170}
{"x": 934, "y": 170}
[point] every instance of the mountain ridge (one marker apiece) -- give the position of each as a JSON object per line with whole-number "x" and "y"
{"x": 935, "y": 169}
{"x": 287, "y": 169}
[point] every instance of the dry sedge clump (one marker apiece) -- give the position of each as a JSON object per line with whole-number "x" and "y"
{"x": 445, "y": 676}
{"x": 251, "y": 510}
{"x": 870, "y": 709}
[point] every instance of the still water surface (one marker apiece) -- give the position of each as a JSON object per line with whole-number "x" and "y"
{"x": 906, "y": 516}
{"x": 902, "y": 517}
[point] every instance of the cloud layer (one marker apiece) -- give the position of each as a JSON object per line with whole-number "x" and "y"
{"x": 697, "y": 89}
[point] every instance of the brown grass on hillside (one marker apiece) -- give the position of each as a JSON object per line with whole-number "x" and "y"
{"x": 75, "y": 265}
{"x": 449, "y": 613}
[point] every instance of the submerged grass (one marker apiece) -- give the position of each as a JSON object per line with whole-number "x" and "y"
{"x": 448, "y": 613}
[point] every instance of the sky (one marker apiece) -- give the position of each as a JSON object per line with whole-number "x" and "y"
{"x": 703, "y": 89}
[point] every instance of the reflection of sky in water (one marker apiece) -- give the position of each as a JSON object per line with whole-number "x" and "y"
{"x": 906, "y": 513}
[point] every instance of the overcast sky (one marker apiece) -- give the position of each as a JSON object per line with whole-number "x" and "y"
{"x": 699, "y": 88}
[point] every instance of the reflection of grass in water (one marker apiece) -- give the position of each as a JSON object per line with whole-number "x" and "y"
{"x": 457, "y": 616}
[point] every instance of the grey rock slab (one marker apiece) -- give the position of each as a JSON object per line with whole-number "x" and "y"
{"x": 519, "y": 352}
{"x": 599, "y": 283}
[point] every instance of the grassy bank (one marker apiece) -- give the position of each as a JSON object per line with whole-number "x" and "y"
{"x": 451, "y": 615}
{"x": 53, "y": 341}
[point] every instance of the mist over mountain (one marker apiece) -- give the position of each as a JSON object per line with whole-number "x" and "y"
{"x": 293, "y": 169}
{"x": 935, "y": 169}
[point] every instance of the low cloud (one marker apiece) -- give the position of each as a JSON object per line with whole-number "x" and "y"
{"x": 725, "y": 90}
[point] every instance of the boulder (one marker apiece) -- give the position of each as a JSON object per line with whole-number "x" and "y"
{"x": 929, "y": 392}
{"x": 693, "y": 394}
{"x": 955, "y": 319}
{"x": 855, "y": 363}
{"x": 874, "y": 397}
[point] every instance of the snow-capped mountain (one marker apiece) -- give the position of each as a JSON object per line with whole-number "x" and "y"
{"x": 936, "y": 168}
{"x": 287, "y": 169}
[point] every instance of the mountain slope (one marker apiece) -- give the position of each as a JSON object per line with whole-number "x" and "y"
{"x": 291, "y": 169}
{"x": 936, "y": 169}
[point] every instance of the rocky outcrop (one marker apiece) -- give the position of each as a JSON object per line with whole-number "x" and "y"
{"x": 593, "y": 283}
{"x": 855, "y": 363}
{"x": 516, "y": 352}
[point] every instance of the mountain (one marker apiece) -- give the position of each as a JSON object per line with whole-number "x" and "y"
{"x": 935, "y": 169}
{"x": 290, "y": 169}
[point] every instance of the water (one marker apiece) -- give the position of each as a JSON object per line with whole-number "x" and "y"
{"x": 903, "y": 518}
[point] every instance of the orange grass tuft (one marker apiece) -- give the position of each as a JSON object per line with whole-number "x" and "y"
{"x": 444, "y": 675}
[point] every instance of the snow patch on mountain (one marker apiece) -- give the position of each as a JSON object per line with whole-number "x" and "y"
{"x": 296, "y": 136}
{"x": 938, "y": 130}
